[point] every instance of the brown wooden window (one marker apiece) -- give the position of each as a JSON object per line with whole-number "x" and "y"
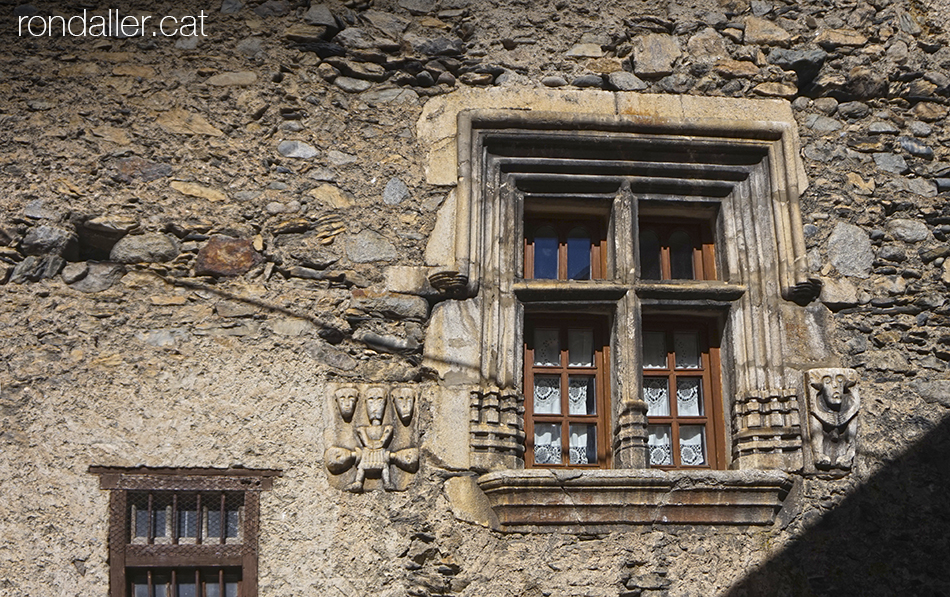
{"x": 564, "y": 249}
{"x": 566, "y": 392}
{"x": 183, "y": 532}
{"x": 676, "y": 249}
{"x": 681, "y": 387}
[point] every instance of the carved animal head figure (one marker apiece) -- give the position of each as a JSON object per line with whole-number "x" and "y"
{"x": 346, "y": 401}
{"x": 832, "y": 388}
{"x": 375, "y": 404}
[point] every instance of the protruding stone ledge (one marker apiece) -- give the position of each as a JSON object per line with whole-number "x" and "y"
{"x": 607, "y": 500}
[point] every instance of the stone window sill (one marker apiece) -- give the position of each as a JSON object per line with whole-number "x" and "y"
{"x": 540, "y": 500}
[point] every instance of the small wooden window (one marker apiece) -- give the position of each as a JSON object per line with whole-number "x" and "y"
{"x": 676, "y": 249}
{"x": 566, "y": 392}
{"x": 183, "y": 532}
{"x": 562, "y": 249}
{"x": 681, "y": 389}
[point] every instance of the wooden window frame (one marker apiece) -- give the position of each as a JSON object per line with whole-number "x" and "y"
{"x": 710, "y": 374}
{"x": 600, "y": 371}
{"x": 127, "y": 556}
{"x": 699, "y": 231}
{"x": 563, "y": 227}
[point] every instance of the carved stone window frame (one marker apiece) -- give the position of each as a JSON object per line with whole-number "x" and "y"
{"x": 761, "y": 292}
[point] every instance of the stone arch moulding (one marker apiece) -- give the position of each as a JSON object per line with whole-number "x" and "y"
{"x": 739, "y": 155}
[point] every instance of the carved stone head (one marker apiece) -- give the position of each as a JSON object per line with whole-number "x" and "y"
{"x": 833, "y": 385}
{"x": 404, "y": 398}
{"x": 375, "y": 403}
{"x": 346, "y": 401}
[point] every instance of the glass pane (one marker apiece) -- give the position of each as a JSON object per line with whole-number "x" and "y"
{"x": 162, "y": 505}
{"x": 581, "y": 396}
{"x": 580, "y": 348}
{"x": 583, "y": 444}
{"x": 681, "y": 256}
{"x": 547, "y": 394}
{"x": 232, "y": 522}
{"x": 656, "y": 393}
{"x": 654, "y": 350}
{"x": 660, "y": 444}
{"x": 186, "y": 586}
{"x": 692, "y": 445}
{"x": 547, "y": 443}
{"x": 187, "y": 516}
{"x": 689, "y": 397}
{"x": 686, "y": 347}
{"x": 547, "y": 350}
{"x": 649, "y": 255}
{"x": 160, "y": 583}
{"x": 212, "y": 588}
{"x": 545, "y": 253}
{"x": 578, "y": 254}
{"x": 141, "y": 521}
{"x": 231, "y": 584}
{"x": 140, "y": 586}
{"x": 213, "y": 515}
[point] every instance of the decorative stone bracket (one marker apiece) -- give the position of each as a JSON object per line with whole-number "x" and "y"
{"x": 375, "y": 437}
{"x": 833, "y": 405}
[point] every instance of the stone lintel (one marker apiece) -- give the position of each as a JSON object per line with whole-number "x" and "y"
{"x": 607, "y": 500}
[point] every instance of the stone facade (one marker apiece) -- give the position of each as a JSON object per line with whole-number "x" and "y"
{"x": 262, "y": 248}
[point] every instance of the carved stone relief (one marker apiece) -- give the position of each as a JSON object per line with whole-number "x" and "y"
{"x": 833, "y": 404}
{"x": 375, "y": 444}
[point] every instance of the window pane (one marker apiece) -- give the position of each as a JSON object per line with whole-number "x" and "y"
{"x": 547, "y": 394}
{"x": 213, "y": 514}
{"x": 578, "y": 254}
{"x": 187, "y": 516}
{"x": 232, "y": 521}
{"x": 649, "y": 255}
{"x": 583, "y": 444}
{"x": 580, "y": 348}
{"x": 689, "y": 397}
{"x": 162, "y": 505}
{"x": 656, "y": 393}
{"x": 581, "y": 395}
{"x": 231, "y": 584}
{"x": 212, "y": 588}
{"x": 693, "y": 445}
{"x": 160, "y": 583}
{"x": 140, "y": 585}
{"x": 547, "y": 443}
{"x": 686, "y": 346}
{"x": 546, "y": 347}
{"x": 660, "y": 444}
{"x": 141, "y": 520}
{"x": 654, "y": 350}
{"x": 186, "y": 586}
{"x": 545, "y": 253}
{"x": 681, "y": 256}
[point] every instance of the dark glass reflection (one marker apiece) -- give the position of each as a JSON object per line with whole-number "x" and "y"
{"x": 545, "y": 253}
{"x": 681, "y": 256}
{"x": 578, "y": 254}
{"x": 649, "y": 255}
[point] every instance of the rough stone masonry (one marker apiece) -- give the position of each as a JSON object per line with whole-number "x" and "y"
{"x": 200, "y": 233}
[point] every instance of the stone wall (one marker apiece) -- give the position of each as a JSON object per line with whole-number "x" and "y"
{"x": 201, "y": 237}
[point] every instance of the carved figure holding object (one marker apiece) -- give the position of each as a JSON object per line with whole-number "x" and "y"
{"x": 834, "y": 403}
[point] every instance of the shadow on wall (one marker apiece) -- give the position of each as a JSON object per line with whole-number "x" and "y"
{"x": 890, "y": 537}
